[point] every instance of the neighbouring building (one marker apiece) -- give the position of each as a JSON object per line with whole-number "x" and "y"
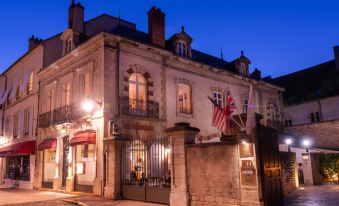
{"x": 310, "y": 110}
{"x": 118, "y": 105}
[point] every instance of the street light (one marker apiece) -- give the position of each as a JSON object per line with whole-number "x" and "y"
{"x": 288, "y": 142}
{"x": 306, "y": 143}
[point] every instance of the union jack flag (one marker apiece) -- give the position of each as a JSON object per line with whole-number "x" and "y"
{"x": 222, "y": 113}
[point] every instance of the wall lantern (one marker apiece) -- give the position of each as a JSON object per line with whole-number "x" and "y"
{"x": 88, "y": 104}
{"x": 306, "y": 144}
{"x": 306, "y": 156}
{"x": 288, "y": 141}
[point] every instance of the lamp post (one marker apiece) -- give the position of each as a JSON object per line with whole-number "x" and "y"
{"x": 306, "y": 144}
{"x": 288, "y": 142}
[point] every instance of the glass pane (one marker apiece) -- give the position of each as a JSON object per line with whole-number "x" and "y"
{"x": 141, "y": 93}
{"x": 132, "y": 91}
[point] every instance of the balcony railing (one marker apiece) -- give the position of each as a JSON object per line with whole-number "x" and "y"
{"x": 61, "y": 115}
{"x": 139, "y": 108}
{"x": 45, "y": 119}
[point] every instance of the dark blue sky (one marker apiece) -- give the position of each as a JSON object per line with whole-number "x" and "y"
{"x": 279, "y": 36}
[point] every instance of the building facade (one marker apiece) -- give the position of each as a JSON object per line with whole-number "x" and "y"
{"x": 105, "y": 105}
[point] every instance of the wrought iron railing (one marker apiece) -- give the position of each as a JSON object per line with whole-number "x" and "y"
{"x": 45, "y": 119}
{"x": 139, "y": 108}
{"x": 62, "y": 114}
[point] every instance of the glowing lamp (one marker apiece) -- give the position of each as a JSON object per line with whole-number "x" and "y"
{"x": 88, "y": 105}
{"x": 288, "y": 141}
{"x": 306, "y": 143}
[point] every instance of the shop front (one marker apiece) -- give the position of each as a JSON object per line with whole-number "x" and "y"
{"x": 48, "y": 149}
{"x": 18, "y": 163}
{"x": 84, "y": 144}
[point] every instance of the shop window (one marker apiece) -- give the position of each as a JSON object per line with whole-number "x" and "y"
{"x": 18, "y": 168}
{"x": 137, "y": 93}
{"x": 184, "y": 98}
{"x": 218, "y": 98}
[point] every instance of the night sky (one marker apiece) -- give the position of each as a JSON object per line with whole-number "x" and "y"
{"x": 278, "y": 36}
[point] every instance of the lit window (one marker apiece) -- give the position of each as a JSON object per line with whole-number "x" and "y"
{"x": 182, "y": 49}
{"x": 66, "y": 94}
{"x": 315, "y": 117}
{"x": 218, "y": 98}
{"x": 245, "y": 106}
{"x": 137, "y": 93}
{"x": 184, "y": 98}
{"x": 30, "y": 84}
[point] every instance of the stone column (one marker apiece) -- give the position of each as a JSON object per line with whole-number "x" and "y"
{"x": 112, "y": 151}
{"x": 180, "y": 134}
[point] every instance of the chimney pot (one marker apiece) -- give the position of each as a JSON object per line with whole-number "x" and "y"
{"x": 33, "y": 42}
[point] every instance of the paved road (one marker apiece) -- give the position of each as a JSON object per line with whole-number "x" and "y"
{"x": 324, "y": 195}
{"x": 21, "y": 197}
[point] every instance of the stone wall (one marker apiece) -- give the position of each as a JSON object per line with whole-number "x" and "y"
{"x": 213, "y": 174}
{"x": 289, "y": 171}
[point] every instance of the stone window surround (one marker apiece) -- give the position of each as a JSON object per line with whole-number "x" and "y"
{"x": 190, "y": 83}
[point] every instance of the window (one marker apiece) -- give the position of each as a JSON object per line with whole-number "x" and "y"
{"x": 16, "y": 125}
{"x": 218, "y": 98}
{"x": 184, "y": 98}
{"x": 50, "y": 101}
{"x": 137, "y": 93}
{"x": 30, "y": 84}
{"x": 85, "y": 85}
{"x": 315, "y": 117}
{"x": 87, "y": 151}
{"x": 288, "y": 123}
{"x": 27, "y": 116}
{"x": 243, "y": 69}
{"x": 69, "y": 45}
{"x": 271, "y": 116}
{"x": 18, "y": 92}
{"x": 18, "y": 168}
{"x": 182, "y": 49}
{"x": 245, "y": 106}
{"x": 66, "y": 94}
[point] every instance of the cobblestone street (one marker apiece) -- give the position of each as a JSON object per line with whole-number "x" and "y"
{"x": 324, "y": 195}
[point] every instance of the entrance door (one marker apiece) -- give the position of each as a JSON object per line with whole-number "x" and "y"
{"x": 65, "y": 163}
{"x": 146, "y": 170}
{"x": 270, "y": 166}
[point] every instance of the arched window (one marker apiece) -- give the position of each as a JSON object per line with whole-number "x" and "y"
{"x": 137, "y": 93}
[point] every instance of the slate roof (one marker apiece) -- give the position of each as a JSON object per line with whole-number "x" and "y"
{"x": 313, "y": 83}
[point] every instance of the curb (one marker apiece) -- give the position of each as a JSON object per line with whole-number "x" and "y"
{"x": 75, "y": 202}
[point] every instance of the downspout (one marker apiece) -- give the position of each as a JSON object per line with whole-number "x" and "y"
{"x": 320, "y": 110}
{"x": 3, "y": 110}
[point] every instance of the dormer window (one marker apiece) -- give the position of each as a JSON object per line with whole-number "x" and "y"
{"x": 243, "y": 69}
{"x": 69, "y": 45}
{"x": 182, "y": 49}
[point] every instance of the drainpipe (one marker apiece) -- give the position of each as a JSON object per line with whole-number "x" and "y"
{"x": 320, "y": 110}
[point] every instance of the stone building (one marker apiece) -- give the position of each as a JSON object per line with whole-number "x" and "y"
{"x": 108, "y": 105}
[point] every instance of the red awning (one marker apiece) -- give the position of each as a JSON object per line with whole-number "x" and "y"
{"x": 49, "y": 143}
{"x": 18, "y": 148}
{"x": 83, "y": 138}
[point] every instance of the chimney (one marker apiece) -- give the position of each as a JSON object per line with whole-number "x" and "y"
{"x": 156, "y": 26}
{"x": 76, "y": 17}
{"x": 33, "y": 42}
{"x": 336, "y": 57}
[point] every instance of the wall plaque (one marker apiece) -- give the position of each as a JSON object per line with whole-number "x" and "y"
{"x": 246, "y": 150}
{"x": 248, "y": 173}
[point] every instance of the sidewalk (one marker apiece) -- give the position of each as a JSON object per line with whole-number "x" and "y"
{"x": 98, "y": 201}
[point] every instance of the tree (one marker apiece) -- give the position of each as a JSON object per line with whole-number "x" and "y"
{"x": 329, "y": 166}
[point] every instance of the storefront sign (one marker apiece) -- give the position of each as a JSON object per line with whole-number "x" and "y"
{"x": 248, "y": 177}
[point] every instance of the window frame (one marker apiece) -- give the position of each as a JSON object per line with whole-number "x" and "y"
{"x": 182, "y": 105}
{"x": 182, "y": 49}
{"x": 219, "y": 99}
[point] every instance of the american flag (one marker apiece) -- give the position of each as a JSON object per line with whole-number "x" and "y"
{"x": 222, "y": 113}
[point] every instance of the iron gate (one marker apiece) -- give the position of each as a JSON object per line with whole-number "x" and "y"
{"x": 270, "y": 166}
{"x": 146, "y": 170}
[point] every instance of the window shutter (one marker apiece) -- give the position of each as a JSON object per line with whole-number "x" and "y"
{"x": 21, "y": 124}
{"x": 31, "y": 121}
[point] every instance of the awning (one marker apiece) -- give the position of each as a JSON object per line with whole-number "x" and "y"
{"x": 88, "y": 137}
{"x": 49, "y": 143}
{"x": 18, "y": 148}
